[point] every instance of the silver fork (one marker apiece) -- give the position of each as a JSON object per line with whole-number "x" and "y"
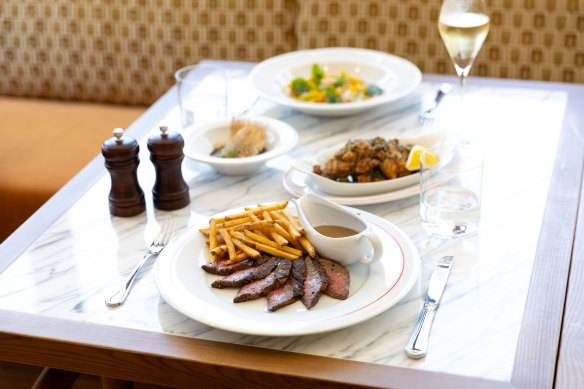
{"x": 164, "y": 235}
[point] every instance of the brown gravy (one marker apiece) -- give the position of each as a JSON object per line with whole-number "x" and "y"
{"x": 336, "y": 231}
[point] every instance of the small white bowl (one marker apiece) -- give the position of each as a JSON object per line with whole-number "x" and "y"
{"x": 368, "y": 188}
{"x": 396, "y": 76}
{"x": 199, "y": 141}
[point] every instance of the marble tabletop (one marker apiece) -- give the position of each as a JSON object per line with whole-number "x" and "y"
{"x": 69, "y": 270}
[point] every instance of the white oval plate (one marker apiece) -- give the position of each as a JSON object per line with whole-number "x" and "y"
{"x": 374, "y": 288}
{"x": 199, "y": 141}
{"x": 297, "y": 184}
{"x": 396, "y": 76}
{"x": 332, "y": 187}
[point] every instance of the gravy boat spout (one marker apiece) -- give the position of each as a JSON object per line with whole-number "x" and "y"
{"x": 337, "y": 233}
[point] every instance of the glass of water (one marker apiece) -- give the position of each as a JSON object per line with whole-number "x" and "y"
{"x": 451, "y": 181}
{"x": 203, "y": 93}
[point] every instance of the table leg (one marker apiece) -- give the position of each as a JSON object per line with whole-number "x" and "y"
{"x": 115, "y": 383}
{"x": 55, "y": 378}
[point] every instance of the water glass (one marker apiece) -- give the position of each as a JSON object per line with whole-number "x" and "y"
{"x": 203, "y": 92}
{"x": 451, "y": 180}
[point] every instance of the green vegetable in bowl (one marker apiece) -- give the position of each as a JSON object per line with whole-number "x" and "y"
{"x": 300, "y": 86}
{"x": 341, "y": 80}
{"x": 321, "y": 87}
{"x": 331, "y": 95}
{"x": 317, "y": 74}
{"x": 373, "y": 90}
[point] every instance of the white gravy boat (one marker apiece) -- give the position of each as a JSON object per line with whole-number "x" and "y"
{"x": 315, "y": 211}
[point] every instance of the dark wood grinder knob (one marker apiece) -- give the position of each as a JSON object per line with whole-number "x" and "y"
{"x": 170, "y": 190}
{"x": 126, "y": 198}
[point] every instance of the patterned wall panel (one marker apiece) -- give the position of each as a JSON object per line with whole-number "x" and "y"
{"x": 529, "y": 39}
{"x": 126, "y": 51}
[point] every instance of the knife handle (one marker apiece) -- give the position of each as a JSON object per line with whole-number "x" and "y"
{"x": 417, "y": 346}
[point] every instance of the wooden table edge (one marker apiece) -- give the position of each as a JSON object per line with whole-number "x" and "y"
{"x": 541, "y": 328}
{"x": 526, "y": 369}
{"x": 570, "y": 366}
{"x": 148, "y": 357}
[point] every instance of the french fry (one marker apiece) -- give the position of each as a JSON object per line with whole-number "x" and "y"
{"x": 228, "y": 243}
{"x": 255, "y": 211}
{"x": 268, "y": 228}
{"x": 273, "y": 234}
{"x": 228, "y": 224}
{"x": 219, "y": 240}
{"x": 282, "y": 231}
{"x": 307, "y": 246}
{"x": 274, "y": 251}
{"x": 246, "y": 249}
{"x": 278, "y": 252}
{"x": 219, "y": 250}
{"x": 293, "y": 221}
{"x": 289, "y": 227}
{"x": 231, "y": 223}
{"x": 271, "y": 243}
{"x": 269, "y": 207}
{"x": 261, "y": 225}
{"x": 279, "y": 238}
{"x": 254, "y": 218}
{"x": 238, "y": 258}
{"x": 297, "y": 245}
{"x": 212, "y": 234}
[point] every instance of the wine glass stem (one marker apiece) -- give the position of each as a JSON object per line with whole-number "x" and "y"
{"x": 462, "y": 121}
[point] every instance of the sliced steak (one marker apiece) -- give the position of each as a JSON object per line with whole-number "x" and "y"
{"x": 339, "y": 278}
{"x": 299, "y": 270}
{"x": 315, "y": 283}
{"x": 291, "y": 291}
{"x": 246, "y": 276}
{"x": 264, "y": 286}
{"x": 220, "y": 268}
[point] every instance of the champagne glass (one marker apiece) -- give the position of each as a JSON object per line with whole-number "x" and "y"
{"x": 463, "y": 27}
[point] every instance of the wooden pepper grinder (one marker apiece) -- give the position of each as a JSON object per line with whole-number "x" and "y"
{"x": 166, "y": 153}
{"x": 126, "y": 198}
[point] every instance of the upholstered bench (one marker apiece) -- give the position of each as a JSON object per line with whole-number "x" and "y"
{"x": 91, "y": 66}
{"x": 44, "y": 143}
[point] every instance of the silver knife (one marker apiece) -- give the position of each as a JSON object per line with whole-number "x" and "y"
{"x": 417, "y": 346}
{"x": 442, "y": 91}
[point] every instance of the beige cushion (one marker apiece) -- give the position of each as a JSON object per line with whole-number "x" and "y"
{"x": 531, "y": 39}
{"x": 127, "y": 51}
{"x": 44, "y": 144}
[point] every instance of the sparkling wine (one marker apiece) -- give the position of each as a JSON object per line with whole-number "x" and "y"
{"x": 463, "y": 34}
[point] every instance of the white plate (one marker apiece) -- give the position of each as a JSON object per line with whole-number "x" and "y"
{"x": 332, "y": 187}
{"x": 297, "y": 184}
{"x": 199, "y": 141}
{"x": 396, "y": 76}
{"x": 374, "y": 288}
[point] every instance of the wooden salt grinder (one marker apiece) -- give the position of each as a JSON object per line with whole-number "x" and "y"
{"x": 126, "y": 198}
{"x": 170, "y": 190}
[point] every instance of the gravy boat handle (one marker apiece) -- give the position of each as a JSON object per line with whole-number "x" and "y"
{"x": 377, "y": 249}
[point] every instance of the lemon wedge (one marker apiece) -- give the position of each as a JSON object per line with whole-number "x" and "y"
{"x": 413, "y": 162}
